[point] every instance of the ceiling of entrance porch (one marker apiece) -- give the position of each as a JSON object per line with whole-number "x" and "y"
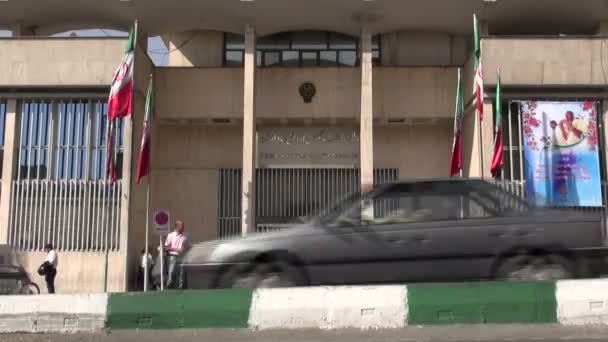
{"x": 270, "y": 16}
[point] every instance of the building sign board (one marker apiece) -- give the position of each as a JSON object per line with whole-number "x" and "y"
{"x": 308, "y": 147}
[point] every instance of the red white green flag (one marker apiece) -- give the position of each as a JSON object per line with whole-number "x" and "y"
{"x": 498, "y": 158}
{"x": 143, "y": 164}
{"x": 120, "y": 102}
{"x": 478, "y": 79}
{"x": 456, "y": 159}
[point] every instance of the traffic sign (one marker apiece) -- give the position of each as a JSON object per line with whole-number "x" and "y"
{"x": 161, "y": 221}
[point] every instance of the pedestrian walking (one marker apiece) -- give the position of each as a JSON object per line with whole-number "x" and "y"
{"x": 176, "y": 245}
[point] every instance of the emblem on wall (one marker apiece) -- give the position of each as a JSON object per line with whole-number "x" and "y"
{"x": 307, "y": 91}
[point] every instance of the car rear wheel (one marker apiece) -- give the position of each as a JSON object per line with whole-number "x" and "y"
{"x": 535, "y": 268}
{"x": 264, "y": 275}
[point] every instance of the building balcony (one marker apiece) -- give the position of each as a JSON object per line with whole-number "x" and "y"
{"x": 59, "y": 62}
{"x": 401, "y": 94}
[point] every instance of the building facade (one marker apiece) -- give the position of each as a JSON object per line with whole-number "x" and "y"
{"x": 266, "y": 111}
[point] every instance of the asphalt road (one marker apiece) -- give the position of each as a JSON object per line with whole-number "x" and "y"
{"x": 547, "y": 333}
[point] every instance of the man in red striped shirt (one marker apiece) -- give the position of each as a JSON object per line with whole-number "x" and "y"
{"x": 176, "y": 245}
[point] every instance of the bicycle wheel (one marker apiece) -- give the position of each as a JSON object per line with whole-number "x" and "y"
{"x": 30, "y": 289}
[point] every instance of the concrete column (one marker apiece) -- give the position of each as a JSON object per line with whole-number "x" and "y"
{"x": 478, "y": 141}
{"x": 133, "y": 196}
{"x": 249, "y": 133}
{"x": 10, "y": 165}
{"x": 367, "y": 113}
{"x": 487, "y": 127}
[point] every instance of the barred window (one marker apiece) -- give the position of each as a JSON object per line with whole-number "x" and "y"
{"x": 79, "y": 129}
{"x": 61, "y": 194}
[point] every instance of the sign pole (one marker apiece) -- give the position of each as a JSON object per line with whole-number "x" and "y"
{"x": 162, "y": 263}
{"x": 161, "y": 224}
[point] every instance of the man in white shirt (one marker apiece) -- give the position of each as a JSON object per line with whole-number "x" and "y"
{"x": 50, "y": 266}
{"x": 176, "y": 245}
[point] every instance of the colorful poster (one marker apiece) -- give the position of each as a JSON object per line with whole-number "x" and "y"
{"x": 562, "y": 165}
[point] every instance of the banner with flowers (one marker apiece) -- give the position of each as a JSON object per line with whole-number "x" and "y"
{"x": 562, "y": 164}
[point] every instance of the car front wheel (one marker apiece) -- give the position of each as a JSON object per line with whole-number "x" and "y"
{"x": 535, "y": 268}
{"x": 264, "y": 275}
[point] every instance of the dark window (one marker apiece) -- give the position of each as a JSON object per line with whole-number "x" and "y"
{"x": 291, "y": 58}
{"x": 347, "y": 58}
{"x": 234, "y": 58}
{"x": 272, "y": 58}
{"x": 305, "y": 49}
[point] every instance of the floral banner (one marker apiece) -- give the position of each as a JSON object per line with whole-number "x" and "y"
{"x": 562, "y": 166}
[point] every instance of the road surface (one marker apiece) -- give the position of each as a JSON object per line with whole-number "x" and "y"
{"x": 536, "y": 333}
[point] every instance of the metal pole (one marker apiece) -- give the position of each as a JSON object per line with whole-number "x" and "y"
{"x": 481, "y": 157}
{"x": 511, "y": 178}
{"x": 162, "y": 263}
{"x": 147, "y": 234}
{"x": 521, "y": 156}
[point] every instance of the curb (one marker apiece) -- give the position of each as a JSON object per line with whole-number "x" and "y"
{"x": 578, "y": 302}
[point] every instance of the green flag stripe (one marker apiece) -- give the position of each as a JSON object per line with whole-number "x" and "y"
{"x": 131, "y": 41}
{"x": 476, "y": 40}
{"x": 498, "y": 122}
{"x": 149, "y": 101}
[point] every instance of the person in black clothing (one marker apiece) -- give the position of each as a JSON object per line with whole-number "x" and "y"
{"x": 50, "y": 267}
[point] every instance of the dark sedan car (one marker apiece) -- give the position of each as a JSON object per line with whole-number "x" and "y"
{"x": 421, "y": 231}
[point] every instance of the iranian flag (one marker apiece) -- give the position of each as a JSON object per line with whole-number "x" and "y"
{"x": 498, "y": 159}
{"x": 456, "y": 159}
{"x": 478, "y": 80}
{"x": 143, "y": 164}
{"x": 120, "y": 102}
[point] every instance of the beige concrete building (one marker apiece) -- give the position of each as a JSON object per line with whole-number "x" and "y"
{"x": 267, "y": 110}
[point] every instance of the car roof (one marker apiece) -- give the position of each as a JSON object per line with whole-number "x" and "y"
{"x": 439, "y": 180}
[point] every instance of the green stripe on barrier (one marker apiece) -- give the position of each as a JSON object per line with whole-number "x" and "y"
{"x": 177, "y": 309}
{"x": 480, "y": 303}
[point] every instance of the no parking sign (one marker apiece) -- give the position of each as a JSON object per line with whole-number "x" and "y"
{"x": 161, "y": 221}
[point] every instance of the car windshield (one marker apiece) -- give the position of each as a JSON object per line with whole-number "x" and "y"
{"x": 344, "y": 204}
{"x": 501, "y": 200}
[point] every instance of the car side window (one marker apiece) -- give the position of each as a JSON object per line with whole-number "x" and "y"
{"x": 410, "y": 207}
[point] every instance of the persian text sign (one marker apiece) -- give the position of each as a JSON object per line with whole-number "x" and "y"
{"x": 561, "y": 153}
{"x": 308, "y": 146}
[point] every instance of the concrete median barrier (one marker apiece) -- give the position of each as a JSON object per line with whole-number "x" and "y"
{"x": 580, "y": 302}
{"x": 53, "y": 313}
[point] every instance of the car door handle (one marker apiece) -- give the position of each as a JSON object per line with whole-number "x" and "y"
{"x": 394, "y": 239}
{"x": 497, "y": 234}
{"x": 420, "y": 239}
{"x": 523, "y": 233}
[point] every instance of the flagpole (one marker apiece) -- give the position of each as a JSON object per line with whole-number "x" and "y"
{"x": 146, "y": 272}
{"x": 482, "y": 161}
